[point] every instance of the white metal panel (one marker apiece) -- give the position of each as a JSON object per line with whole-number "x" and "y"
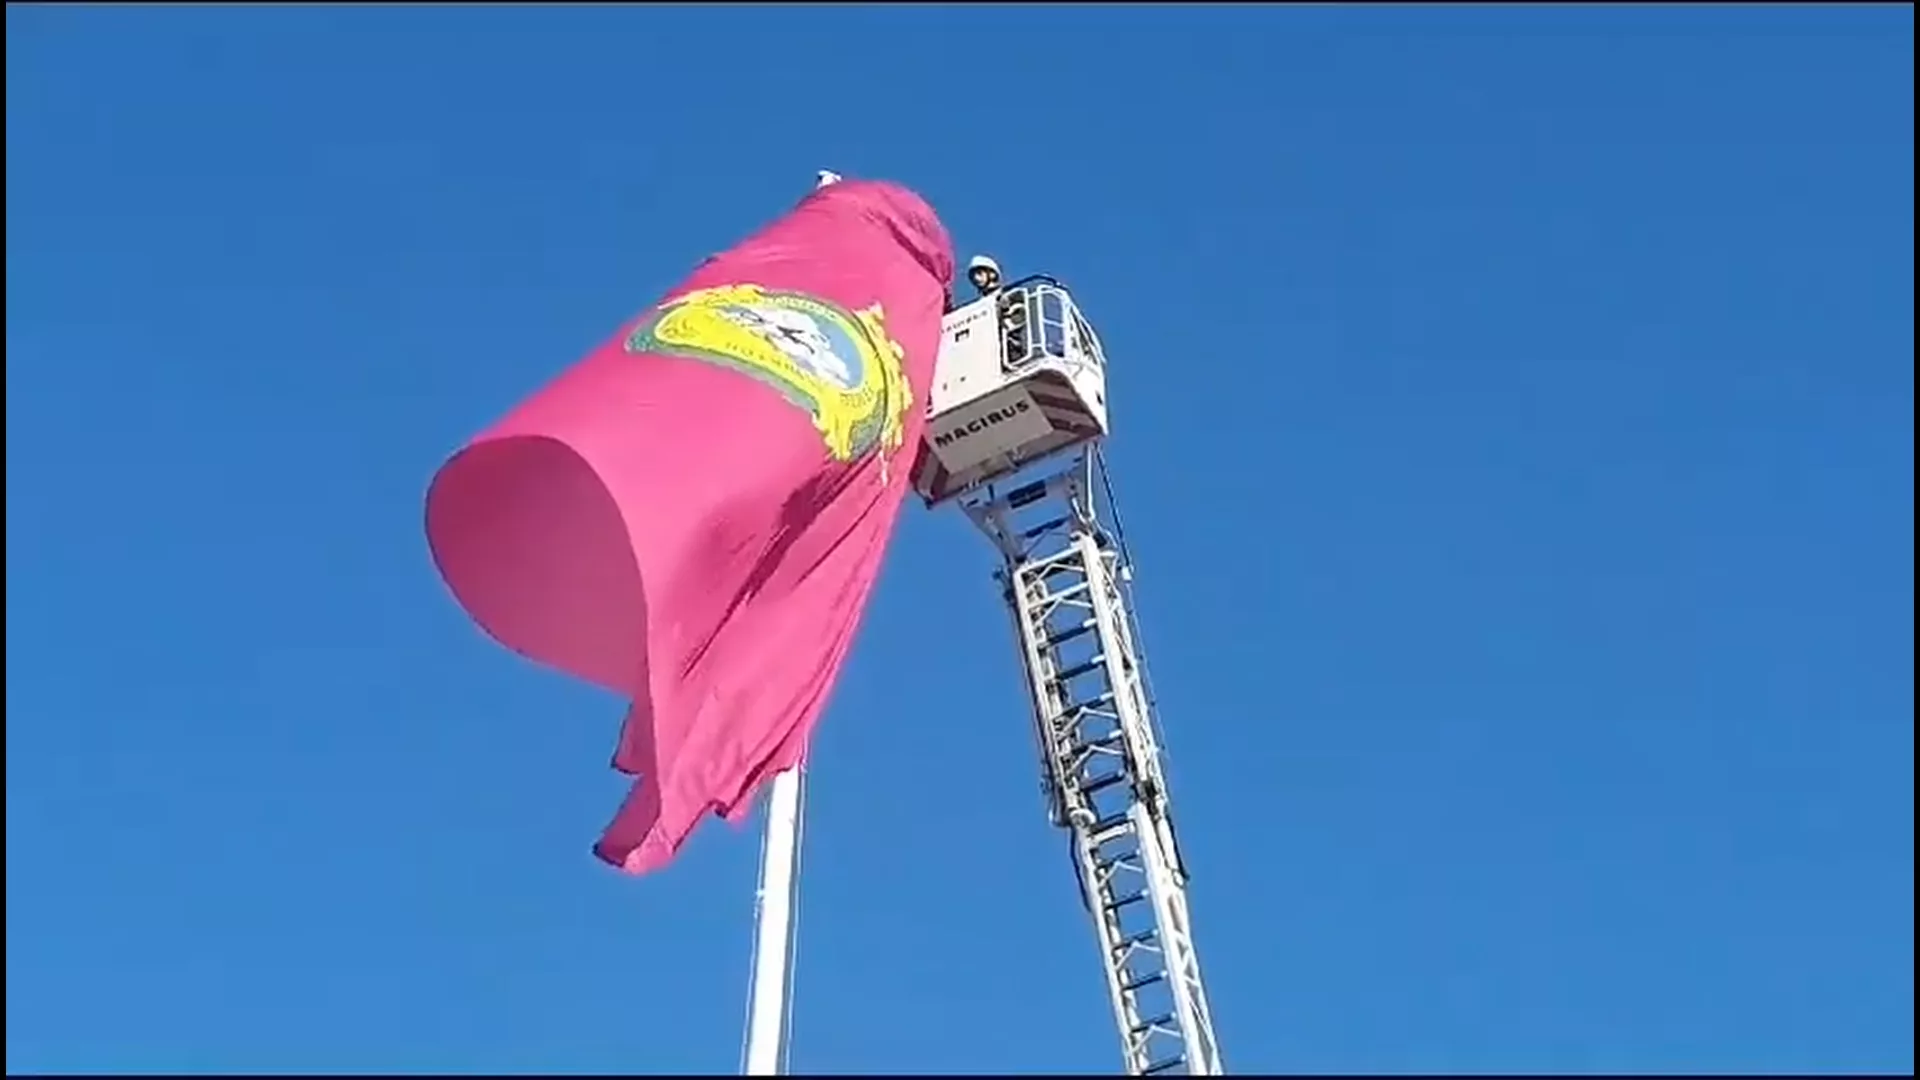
{"x": 1000, "y": 423}
{"x": 969, "y": 361}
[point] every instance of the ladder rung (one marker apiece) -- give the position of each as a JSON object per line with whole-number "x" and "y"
{"x": 1078, "y": 747}
{"x": 1162, "y": 1066}
{"x": 1026, "y": 494}
{"x": 1139, "y": 938}
{"x": 1065, "y": 636}
{"x": 1096, "y": 786}
{"x": 1074, "y": 712}
{"x": 1081, "y": 669}
{"x": 1116, "y": 905}
{"x": 1099, "y": 700}
{"x": 1043, "y": 528}
{"x": 1145, "y": 1026}
{"x": 1143, "y": 981}
{"x": 1110, "y": 824}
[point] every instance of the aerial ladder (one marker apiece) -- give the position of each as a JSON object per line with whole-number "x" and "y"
{"x": 1017, "y": 415}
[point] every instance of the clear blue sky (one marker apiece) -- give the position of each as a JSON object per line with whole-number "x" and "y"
{"x": 1515, "y": 427}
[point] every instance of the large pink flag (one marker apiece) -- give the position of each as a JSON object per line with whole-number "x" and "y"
{"x": 695, "y": 514}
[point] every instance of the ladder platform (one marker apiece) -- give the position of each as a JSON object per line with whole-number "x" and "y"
{"x": 1020, "y": 378}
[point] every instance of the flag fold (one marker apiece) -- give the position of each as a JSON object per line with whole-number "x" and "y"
{"x": 695, "y": 514}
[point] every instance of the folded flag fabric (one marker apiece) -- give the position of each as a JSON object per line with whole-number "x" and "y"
{"x": 695, "y": 514}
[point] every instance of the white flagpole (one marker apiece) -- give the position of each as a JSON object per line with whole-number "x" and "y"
{"x": 768, "y": 1006}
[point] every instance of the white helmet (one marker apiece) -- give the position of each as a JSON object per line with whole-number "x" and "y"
{"x": 824, "y": 177}
{"x": 984, "y": 273}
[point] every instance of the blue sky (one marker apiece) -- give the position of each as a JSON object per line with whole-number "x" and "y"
{"x": 1514, "y": 422}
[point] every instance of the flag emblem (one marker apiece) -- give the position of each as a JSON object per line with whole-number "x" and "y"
{"x": 841, "y": 366}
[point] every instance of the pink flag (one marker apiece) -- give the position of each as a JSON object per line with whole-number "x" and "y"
{"x": 695, "y": 514}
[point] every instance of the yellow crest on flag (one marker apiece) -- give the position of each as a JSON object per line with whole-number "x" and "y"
{"x": 839, "y": 365}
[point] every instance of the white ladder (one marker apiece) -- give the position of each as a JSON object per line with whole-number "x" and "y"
{"x": 1064, "y": 580}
